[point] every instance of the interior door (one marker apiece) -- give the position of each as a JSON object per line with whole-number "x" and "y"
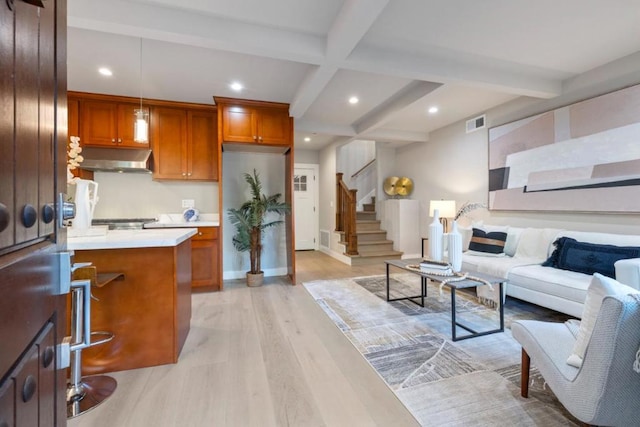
{"x": 32, "y": 170}
{"x": 305, "y": 190}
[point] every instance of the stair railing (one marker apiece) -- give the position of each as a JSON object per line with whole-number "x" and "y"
{"x": 346, "y": 215}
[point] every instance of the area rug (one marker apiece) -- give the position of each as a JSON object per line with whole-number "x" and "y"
{"x": 473, "y": 382}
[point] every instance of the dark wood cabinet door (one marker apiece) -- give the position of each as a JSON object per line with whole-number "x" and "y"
{"x": 202, "y": 161}
{"x": 7, "y": 209}
{"x": 98, "y": 123}
{"x": 169, "y": 140}
{"x": 205, "y": 271}
{"x": 7, "y": 398}
{"x": 126, "y": 121}
{"x": 274, "y": 126}
{"x": 239, "y": 124}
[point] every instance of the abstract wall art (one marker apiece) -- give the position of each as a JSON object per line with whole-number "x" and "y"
{"x": 583, "y": 157}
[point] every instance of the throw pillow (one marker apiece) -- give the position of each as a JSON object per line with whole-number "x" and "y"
{"x": 491, "y": 242}
{"x": 599, "y": 288}
{"x": 588, "y": 258}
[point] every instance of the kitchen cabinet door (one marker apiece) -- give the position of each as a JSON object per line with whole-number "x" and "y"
{"x": 239, "y": 124}
{"x": 98, "y": 123}
{"x": 169, "y": 138}
{"x": 274, "y": 126}
{"x": 205, "y": 266}
{"x": 202, "y": 161}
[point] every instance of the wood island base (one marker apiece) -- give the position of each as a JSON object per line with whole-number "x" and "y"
{"x": 149, "y": 311}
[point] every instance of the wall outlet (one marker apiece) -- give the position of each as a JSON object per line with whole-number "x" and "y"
{"x": 188, "y": 203}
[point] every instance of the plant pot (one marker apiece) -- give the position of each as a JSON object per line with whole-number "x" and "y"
{"x": 254, "y": 280}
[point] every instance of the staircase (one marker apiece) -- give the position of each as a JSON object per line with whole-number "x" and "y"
{"x": 373, "y": 246}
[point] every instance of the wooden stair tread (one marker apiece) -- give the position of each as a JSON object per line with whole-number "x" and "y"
{"x": 376, "y": 254}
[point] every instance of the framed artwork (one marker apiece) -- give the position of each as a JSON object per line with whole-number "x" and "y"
{"x": 583, "y": 157}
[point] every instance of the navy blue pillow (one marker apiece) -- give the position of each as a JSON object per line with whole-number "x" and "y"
{"x": 588, "y": 258}
{"x": 492, "y": 242}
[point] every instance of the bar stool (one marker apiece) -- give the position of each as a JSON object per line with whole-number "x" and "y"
{"x": 86, "y": 393}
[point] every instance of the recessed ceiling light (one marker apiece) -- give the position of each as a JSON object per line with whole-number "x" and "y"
{"x": 433, "y": 110}
{"x": 105, "y": 71}
{"x": 307, "y": 139}
{"x": 236, "y": 86}
{"x": 353, "y": 100}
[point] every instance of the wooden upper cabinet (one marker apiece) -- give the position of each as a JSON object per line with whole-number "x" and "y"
{"x": 169, "y": 136}
{"x": 202, "y": 158}
{"x": 184, "y": 144}
{"x": 108, "y": 124}
{"x": 255, "y": 122}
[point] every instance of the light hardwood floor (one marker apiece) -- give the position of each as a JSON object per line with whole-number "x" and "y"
{"x": 264, "y": 356}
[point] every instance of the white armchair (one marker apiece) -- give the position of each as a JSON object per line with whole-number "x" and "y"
{"x": 605, "y": 390}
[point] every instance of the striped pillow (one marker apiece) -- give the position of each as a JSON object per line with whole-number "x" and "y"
{"x": 488, "y": 242}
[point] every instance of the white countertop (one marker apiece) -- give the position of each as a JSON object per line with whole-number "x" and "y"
{"x": 177, "y": 221}
{"x": 126, "y": 239}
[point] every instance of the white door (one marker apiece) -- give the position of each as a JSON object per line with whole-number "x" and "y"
{"x": 305, "y": 191}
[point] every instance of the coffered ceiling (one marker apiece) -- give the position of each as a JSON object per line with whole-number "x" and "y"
{"x": 399, "y": 57}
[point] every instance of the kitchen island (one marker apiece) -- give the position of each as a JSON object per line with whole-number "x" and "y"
{"x": 149, "y": 310}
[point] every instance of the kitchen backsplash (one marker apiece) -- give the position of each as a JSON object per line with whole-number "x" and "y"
{"x": 130, "y": 195}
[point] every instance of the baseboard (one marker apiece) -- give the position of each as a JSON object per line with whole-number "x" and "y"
{"x": 337, "y": 255}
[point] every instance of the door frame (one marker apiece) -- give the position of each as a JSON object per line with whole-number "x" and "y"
{"x": 316, "y": 199}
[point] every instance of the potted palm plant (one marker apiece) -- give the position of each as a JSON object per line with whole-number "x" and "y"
{"x": 250, "y": 220}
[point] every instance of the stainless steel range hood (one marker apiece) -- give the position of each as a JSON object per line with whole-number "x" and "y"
{"x": 116, "y": 159}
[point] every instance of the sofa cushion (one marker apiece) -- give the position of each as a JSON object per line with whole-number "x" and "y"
{"x": 599, "y": 288}
{"x": 495, "y": 266}
{"x": 588, "y": 258}
{"x": 487, "y": 242}
{"x": 559, "y": 283}
{"x": 513, "y": 237}
{"x": 536, "y": 243}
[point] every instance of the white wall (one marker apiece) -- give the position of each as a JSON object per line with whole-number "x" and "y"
{"x": 235, "y": 191}
{"x": 133, "y": 195}
{"x": 453, "y": 165}
{"x": 307, "y": 156}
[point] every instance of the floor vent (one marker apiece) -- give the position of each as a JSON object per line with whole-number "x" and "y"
{"x": 476, "y": 123}
{"x": 324, "y": 238}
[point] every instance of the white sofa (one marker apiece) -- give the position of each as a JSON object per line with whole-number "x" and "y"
{"x": 561, "y": 290}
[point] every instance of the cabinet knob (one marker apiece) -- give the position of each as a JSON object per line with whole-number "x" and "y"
{"x": 255, "y": 138}
{"x": 189, "y": 174}
{"x": 119, "y": 140}
{"x": 184, "y": 174}
{"x": 113, "y": 140}
{"x": 199, "y": 233}
{"x": 260, "y": 138}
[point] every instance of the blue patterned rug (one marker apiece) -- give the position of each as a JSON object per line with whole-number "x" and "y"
{"x": 441, "y": 382}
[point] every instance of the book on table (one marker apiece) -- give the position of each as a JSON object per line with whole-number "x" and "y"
{"x": 438, "y": 268}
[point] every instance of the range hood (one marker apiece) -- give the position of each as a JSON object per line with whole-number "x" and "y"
{"x": 116, "y": 159}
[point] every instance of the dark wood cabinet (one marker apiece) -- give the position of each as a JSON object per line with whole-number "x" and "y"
{"x": 108, "y": 124}
{"x": 205, "y": 264}
{"x": 184, "y": 144}
{"x": 248, "y": 122}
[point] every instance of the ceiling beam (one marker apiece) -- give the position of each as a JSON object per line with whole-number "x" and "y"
{"x": 400, "y": 100}
{"x": 351, "y": 24}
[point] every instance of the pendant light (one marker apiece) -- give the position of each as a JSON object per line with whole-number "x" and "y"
{"x": 141, "y": 123}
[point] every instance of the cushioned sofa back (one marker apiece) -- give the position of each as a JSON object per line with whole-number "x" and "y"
{"x": 602, "y": 238}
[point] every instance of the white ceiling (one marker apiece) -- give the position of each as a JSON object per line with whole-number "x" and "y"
{"x": 400, "y": 57}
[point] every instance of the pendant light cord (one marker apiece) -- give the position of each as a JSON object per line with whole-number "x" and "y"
{"x": 140, "y": 74}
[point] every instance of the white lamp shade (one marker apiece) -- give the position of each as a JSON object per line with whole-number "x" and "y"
{"x": 447, "y": 208}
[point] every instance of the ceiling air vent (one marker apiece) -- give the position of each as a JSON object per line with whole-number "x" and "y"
{"x": 476, "y": 123}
